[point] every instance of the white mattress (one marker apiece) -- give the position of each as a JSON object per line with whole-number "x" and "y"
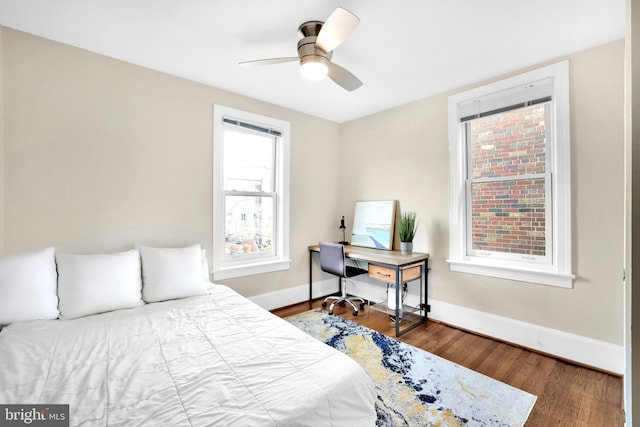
{"x": 216, "y": 360}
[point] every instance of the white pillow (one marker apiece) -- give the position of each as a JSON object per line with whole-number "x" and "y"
{"x": 170, "y": 273}
{"x": 90, "y": 284}
{"x": 28, "y": 287}
{"x": 205, "y": 267}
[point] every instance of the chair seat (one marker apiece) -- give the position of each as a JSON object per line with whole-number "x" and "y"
{"x": 354, "y": 271}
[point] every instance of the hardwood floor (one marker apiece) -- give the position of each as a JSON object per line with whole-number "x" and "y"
{"x": 568, "y": 395}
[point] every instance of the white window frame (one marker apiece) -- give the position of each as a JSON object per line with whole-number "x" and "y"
{"x": 554, "y": 270}
{"x": 243, "y": 266}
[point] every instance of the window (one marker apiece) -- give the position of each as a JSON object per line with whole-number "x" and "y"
{"x": 510, "y": 178}
{"x": 250, "y": 194}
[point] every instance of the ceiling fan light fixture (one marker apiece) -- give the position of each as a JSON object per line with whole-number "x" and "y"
{"x": 314, "y": 68}
{"x": 315, "y": 49}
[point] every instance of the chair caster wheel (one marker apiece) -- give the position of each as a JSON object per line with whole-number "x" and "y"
{"x": 355, "y": 313}
{"x": 362, "y": 305}
{"x": 330, "y": 311}
{"x": 324, "y": 304}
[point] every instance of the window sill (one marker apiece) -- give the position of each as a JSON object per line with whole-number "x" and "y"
{"x": 251, "y": 269}
{"x": 520, "y": 274}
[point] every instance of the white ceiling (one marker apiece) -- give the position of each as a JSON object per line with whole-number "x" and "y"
{"x": 403, "y": 50}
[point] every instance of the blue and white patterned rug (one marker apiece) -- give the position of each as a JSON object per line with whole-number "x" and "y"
{"x": 417, "y": 388}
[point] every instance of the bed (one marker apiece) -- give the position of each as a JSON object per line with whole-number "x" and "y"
{"x": 212, "y": 359}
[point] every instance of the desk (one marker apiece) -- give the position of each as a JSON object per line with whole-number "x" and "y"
{"x": 389, "y": 266}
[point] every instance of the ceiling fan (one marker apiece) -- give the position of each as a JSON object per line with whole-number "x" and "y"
{"x": 315, "y": 48}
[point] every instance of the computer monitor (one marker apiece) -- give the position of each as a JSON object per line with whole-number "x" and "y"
{"x": 373, "y": 224}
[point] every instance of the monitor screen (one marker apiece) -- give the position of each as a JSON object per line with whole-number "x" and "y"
{"x": 373, "y": 223}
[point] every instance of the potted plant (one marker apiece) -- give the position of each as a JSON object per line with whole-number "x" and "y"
{"x": 407, "y": 231}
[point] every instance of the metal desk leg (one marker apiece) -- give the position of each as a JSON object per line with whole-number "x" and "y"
{"x": 310, "y": 276}
{"x": 398, "y": 301}
{"x": 423, "y": 306}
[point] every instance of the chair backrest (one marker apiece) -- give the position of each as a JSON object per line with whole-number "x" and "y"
{"x": 332, "y": 258}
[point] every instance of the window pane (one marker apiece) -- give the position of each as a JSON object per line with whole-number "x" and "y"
{"x": 249, "y": 225}
{"x": 509, "y": 143}
{"x": 248, "y": 160}
{"x": 509, "y": 216}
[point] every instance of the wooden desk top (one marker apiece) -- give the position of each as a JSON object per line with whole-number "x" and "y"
{"x": 378, "y": 255}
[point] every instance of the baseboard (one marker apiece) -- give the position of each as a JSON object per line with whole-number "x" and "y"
{"x": 576, "y": 348}
{"x": 294, "y": 295}
{"x": 582, "y": 350}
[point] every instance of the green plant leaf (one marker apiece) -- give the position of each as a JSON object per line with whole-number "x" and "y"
{"x": 407, "y": 227}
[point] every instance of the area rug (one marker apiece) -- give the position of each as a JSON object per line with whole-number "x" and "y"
{"x": 417, "y": 388}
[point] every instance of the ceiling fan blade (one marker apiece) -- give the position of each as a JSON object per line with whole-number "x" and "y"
{"x": 269, "y": 61}
{"x": 343, "y": 77}
{"x": 336, "y": 29}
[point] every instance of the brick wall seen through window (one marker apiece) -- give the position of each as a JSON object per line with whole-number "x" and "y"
{"x": 507, "y": 181}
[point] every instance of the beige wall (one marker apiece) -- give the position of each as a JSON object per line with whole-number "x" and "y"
{"x": 1, "y": 149}
{"x": 403, "y": 154}
{"x": 101, "y": 154}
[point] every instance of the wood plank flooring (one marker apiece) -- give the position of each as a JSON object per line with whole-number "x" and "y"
{"x": 568, "y": 395}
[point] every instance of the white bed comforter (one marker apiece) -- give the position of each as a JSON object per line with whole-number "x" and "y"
{"x": 216, "y": 360}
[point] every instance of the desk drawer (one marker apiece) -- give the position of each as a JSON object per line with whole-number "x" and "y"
{"x": 388, "y": 274}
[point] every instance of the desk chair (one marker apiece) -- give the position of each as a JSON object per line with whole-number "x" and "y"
{"x": 332, "y": 260}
